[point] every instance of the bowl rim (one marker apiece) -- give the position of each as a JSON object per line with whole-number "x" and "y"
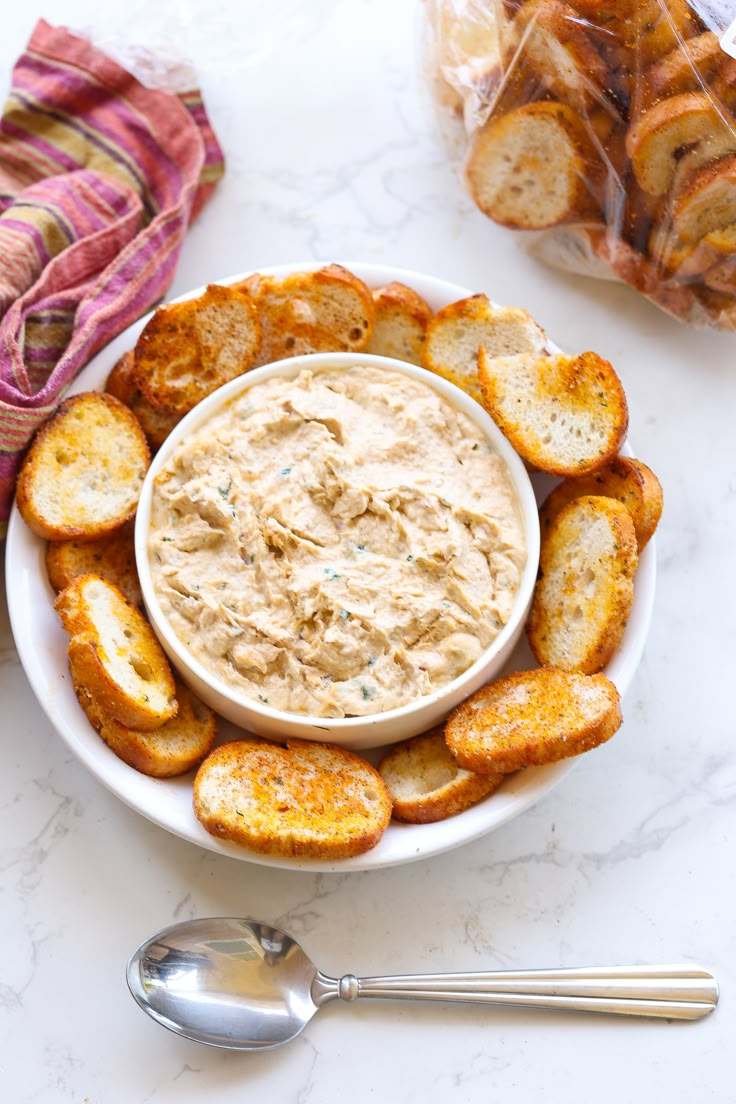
{"x": 291, "y": 367}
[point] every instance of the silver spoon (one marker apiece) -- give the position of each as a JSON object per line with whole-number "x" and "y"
{"x": 244, "y": 985}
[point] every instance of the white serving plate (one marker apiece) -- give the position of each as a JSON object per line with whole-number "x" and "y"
{"x": 41, "y": 644}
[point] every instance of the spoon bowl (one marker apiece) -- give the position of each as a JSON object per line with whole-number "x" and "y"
{"x": 244, "y": 985}
{"x": 231, "y": 983}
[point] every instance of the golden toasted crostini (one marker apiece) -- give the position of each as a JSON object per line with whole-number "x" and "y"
{"x": 683, "y": 69}
{"x": 585, "y": 588}
{"x": 329, "y": 309}
{"x": 566, "y": 415}
{"x": 402, "y": 317}
{"x": 534, "y": 167}
{"x": 531, "y": 718}
{"x": 707, "y": 202}
{"x": 82, "y": 476}
{"x": 628, "y": 480}
{"x": 657, "y": 138}
{"x": 114, "y": 654}
{"x": 653, "y": 31}
{"x": 425, "y": 782}
{"x": 187, "y": 350}
{"x": 174, "y": 748}
{"x": 112, "y": 557}
{"x": 456, "y": 333}
{"x": 155, "y": 423}
{"x": 120, "y": 381}
{"x": 308, "y": 800}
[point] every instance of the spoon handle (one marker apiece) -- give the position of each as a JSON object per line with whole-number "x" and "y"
{"x": 668, "y": 992}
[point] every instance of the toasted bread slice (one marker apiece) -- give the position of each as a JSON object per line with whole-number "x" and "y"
{"x": 155, "y": 423}
{"x": 686, "y": 68}
{"x": 707, "y": 203}
{"x": 585, "y": 589}
{"x": 692, "y": 160}
{"x": 534, "y": 167}
{"x": 187, "y": 350}
{"x": 114, "y": 654}
{"x": 121, "y": 381}
{"x": 309, "y": 800}
{"x": 402, "y": 317}
{"x": 173, "y": 749}
{"x": 563, "y": 414}
{"x": 652, "y": 31}
{"x": 112, "y": 557}
{"x": 531, "y": 718}
{"x": 456, "y": 333}
{"x": 425, "y": 782}
{"x": 555, "y": 43}
{"x": 625, "y": 479}
{"x": 658, "y": 137}
{"x": 329, "y": 309}
{"x": 82, "y": 476}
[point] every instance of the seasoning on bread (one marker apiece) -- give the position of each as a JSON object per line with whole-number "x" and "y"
{"x": 531, "y": 718}
{"x": 456, "y": 333}
{"x": 111, "y": 556}
{"x": 174, "y": 748}
{"x": 187, "y": 350}
{"x": 566, "y": 415}
{"x": 402, "y": 317}
{"x": 585, "y": 588}
{"x": 306, "y": 800}
{"x": 82, "y": 476}
{"x": 628, "y": 480}
{"x": 425, "y": 782}
{"x": 114, "y": 655}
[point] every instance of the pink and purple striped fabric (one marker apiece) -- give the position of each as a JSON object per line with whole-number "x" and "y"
{"x": 99, "y": 180}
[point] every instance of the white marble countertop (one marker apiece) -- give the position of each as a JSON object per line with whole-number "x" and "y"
{"x": 332, "y": 154}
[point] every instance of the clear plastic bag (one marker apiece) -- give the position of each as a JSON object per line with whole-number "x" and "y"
{"x": 604, "y": 132}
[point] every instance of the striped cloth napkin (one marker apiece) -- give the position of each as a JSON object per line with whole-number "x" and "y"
{"x": 99, "y": 180}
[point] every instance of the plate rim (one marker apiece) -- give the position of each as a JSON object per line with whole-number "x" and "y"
{"x": 521, "y": 791}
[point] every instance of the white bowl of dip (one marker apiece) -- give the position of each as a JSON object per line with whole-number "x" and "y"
{"x": 316, "y": 564}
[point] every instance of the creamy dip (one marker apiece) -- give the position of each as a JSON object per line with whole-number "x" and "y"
{"x": 337, "y": 544}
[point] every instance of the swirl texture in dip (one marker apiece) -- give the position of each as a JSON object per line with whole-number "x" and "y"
{"x": 337, "y": 544}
